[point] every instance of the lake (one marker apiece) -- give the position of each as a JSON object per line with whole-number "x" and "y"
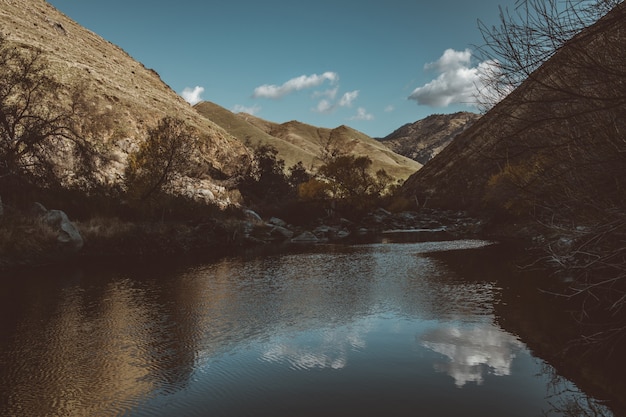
{"x": 394, "y": 329}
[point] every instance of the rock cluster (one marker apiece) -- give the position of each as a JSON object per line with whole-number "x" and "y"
{"x": 447, "y": 223}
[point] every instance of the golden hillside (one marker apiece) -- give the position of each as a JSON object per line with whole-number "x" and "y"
{"x": 136, "y": 95}
{"x": 297, "y": 141}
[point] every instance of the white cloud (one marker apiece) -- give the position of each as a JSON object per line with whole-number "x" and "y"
{"x": 295, "y": 84}
{"x": 458, "y": 81}
{"x": 450, "y": 60}
{"x": 238, "y": 108}
{"x": 331, "y": 93}
{"x": 324, "y": 106}
{"x": 389, "y": 109}
{"x": 362, "y": 114}
{"x": 327, "y": 106}
{"x": 192, "y": 95}
{"x": 347, "y": 99}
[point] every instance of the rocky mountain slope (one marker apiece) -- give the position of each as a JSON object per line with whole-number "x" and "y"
{"x": 296, "y": 141}
{"x": 135, "y": 96}
{"x": 424, "y": 139}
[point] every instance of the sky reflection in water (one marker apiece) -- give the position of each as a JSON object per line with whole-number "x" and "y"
{"x": 333, "y": 330}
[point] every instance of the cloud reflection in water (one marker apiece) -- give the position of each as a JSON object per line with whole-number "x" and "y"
{"x": 326, "y": 348}
{"x": 472, "y": 351}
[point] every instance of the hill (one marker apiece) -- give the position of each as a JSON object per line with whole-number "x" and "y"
{"x": 135, "y": 97}
{"x": 297, "y": 141}
{"x": 553, "y": 148}
{"x": 424, "y": 139}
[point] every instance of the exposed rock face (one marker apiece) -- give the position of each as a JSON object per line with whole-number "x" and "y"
{"x": 424, "y": 139}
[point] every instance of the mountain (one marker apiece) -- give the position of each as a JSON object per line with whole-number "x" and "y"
{"x": 297, "y": 141}
{"x": 424, "y": 139}
{"x": 134, "y": 95}
{"x": 553, "y": 148}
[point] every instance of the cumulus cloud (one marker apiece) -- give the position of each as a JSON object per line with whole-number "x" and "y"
{"x": 458, "y": 81}
{"x": 192, "y": 95}
{"x": 302, "y": 82}
{"x": 347, "y": 99}
{"x": 327, "y": 106}
{"x": 389, "y": 109}
{"x": 450, "y": 60}
{"x": 362, "y": 114}
{"x": 324, "y": 106}
{"x": 238, "y": 108}
{"x": 330, "y": 93}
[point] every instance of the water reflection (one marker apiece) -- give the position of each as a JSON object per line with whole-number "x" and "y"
{"x": 472, "y": 351}
{"x": 239, "y": 336}
{"x": 69, "y": 354}
{"x": 328, "y": 348}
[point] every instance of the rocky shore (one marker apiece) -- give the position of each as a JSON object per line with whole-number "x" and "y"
{"x": 52, "y": 237}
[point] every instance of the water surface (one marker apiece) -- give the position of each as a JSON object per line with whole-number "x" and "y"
{"x": 373, "y": 329}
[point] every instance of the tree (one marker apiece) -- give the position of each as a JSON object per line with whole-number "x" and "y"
{"x": 347, "y": 180}
{"x": 298, "y": 174}
{"x": 38, "y": 117}
{"x": 349, "y": 176}
{"x": 266, "y": 181}
{"x": 166, "y": 153}
{"x": 534, "y": 32}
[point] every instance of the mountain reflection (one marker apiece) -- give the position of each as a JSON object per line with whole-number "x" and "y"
{"x": 472, "y": 351}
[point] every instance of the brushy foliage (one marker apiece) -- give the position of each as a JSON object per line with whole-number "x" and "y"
{"x": 165, "y": 153}
{"x": 343, "y": 184}
{"x": 44, "y": 140}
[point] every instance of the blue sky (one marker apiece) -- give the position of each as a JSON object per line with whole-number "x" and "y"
{"x": 372, "y": 65}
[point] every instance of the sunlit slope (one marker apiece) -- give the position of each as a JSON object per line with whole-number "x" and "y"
{"x": 297, "y": 141}
{"x": 136, "y": 95}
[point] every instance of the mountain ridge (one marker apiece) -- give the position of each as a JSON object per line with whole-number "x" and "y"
{"x": 425, "y": 138}
{"x": 297, "y": 141}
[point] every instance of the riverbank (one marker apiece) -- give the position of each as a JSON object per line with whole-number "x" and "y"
{"x": 27, "y": 242}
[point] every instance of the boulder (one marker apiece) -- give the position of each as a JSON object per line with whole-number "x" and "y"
{"x": 252, "y": 216}
{"x": 281, "y": 232}
{"x": 306, "y": 237}
{"x": 277, "y": 222}
{"x": 68, "y": 236}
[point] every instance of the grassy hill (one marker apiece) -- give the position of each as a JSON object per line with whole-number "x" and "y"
{"x": 296, "y": 141}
